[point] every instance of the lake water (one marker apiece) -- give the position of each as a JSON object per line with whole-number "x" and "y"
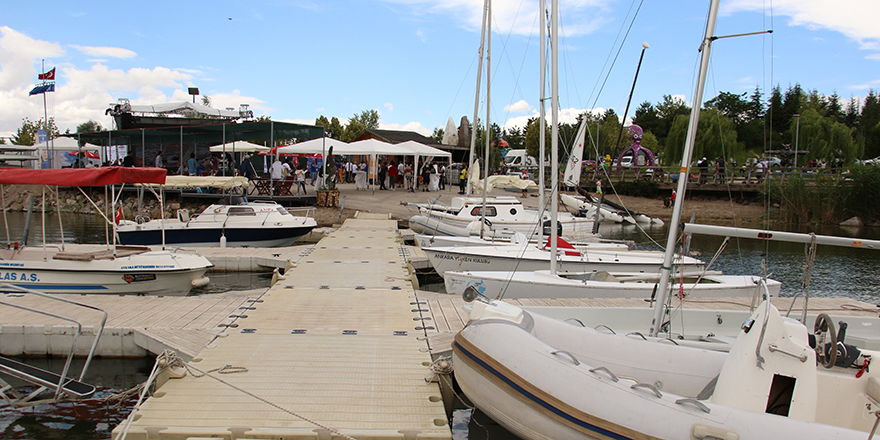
{"x": 837, "y": 271}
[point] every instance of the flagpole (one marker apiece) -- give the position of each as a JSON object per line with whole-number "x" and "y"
{"x": 49, "y": 139}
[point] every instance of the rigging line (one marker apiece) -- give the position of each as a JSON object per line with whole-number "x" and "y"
{"x": 617, "y": 37}
{"x": 619, "y": 49}
{"x": 518, "y": 74}
{"x": 460, "y": 86}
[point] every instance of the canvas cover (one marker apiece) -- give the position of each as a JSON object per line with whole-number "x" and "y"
{"x": 204, "y": 182}
{"x": 81, "y": 176}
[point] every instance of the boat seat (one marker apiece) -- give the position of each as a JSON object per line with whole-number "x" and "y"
{"x": 183, "y": 215}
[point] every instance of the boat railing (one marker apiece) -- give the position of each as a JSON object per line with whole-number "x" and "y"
{"x": 47, "y": 380}
{"x": 309, "y": 211}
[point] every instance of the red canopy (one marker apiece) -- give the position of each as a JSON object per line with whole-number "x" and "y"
{"x": 89, "y": 154}
{"x": 274, "y": 151}
{"x": 82, "y": 176}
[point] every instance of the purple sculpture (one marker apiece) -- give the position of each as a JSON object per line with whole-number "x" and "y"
{"x": 636, "y": 148}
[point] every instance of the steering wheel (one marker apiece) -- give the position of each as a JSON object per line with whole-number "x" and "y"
{"x": 824, "y": 325}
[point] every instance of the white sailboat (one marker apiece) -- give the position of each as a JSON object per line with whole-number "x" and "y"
{"x": 767, "y": 377}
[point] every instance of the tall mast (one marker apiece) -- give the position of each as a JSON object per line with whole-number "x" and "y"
{"x": 666, "y": 268}
{"x": 488, "y": 126}
{"x": 477, "y": 99}
{"x": 554, "y": 132}
{"x": 542, "y": 131}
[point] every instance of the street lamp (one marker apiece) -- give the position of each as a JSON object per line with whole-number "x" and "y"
{"x": 796, "y": 136}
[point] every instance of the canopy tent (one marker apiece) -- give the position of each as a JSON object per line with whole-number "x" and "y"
{"x": 81, "y": 176}
{"x": 238, "y": 147}
{"x": 317, "y": 146}
{"x": 424, "y": 150}
{"x": 64, "y": 143}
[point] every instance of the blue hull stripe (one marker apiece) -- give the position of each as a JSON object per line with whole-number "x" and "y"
{"x": 199, "y": 235}
{"x": 60, "y": 287}
{"x": 533, "y": 398}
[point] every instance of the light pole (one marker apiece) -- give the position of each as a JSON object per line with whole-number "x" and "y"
{"x": 796, "y": 136}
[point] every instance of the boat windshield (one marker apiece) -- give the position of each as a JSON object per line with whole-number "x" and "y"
{"x": 490, "y": 211}
{"x": 241, "y": 210}
{"x": 283, "y": 211}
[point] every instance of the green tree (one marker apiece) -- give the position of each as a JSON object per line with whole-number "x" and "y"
{"x": 365, "y": 120}
{"x": 825, "y": 138}
{"x": 716, "y": 137}
{"x": 868, "y": 123}
{"x": 27, "y": 133}
{"x": 332, "y": 127}
{"x": 437, "y": 135}
{"x": 89, "y": 126}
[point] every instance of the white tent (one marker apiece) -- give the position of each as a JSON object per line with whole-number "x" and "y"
{"x": 238, "y": 147}
{"x": 317, "y": 146}
{"x": 65, "y": 144}
{"x": 424, "y": 150}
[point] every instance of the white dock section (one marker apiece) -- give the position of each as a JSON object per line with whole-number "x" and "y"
{"x": 339, "y": 344}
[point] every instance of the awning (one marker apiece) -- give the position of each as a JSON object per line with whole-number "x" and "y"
{"x": 238, "y": 147}
{"x": 204, "y": 182}
{"x": 82, "y": 176}
{"x": 65, "y": 144}
{"x": 215, "y": 134}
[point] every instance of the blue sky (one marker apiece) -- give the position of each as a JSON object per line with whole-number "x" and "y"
{"x": 414, "y": 60}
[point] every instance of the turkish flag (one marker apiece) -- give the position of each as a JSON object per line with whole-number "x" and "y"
{"x": 119, "y": 216}
{"x": 49, "y": 76}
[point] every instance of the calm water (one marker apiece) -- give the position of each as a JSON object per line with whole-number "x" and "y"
{"x": 837, "y": 272}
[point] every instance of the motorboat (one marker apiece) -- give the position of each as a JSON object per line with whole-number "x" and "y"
{"x": 232, "y": 221}
{"x": 510, "y": 259}
{"x": 119, "y": 271}
{"x": 502, "y": 213}
{"x": 602, "y": 284}
{"x": 111, "y": 269}
{"x": 542, "y": 378}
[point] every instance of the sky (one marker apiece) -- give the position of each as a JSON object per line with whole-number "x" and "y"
{"x": 415, "y": 61}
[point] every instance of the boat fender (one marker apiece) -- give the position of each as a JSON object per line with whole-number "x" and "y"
{"x": 201, "y": 282}
{"x": 223, "y": 241}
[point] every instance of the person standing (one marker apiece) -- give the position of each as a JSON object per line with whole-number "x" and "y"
{"x": 158, "y": 162}
{"x": 462, "y": 180}
{"x": 442, "y": 176}
{"x": 247, "y": 168}
{"x": 301, "y": 181}
{"x": 524, "y": 176}
{"x": 392, "y": 175}
{"x": 276, "y": 173}
{"x": 192, "y": 165}
{"x": 128, "y": 161}
{"x": 401, "y": 171}
{"x": 383, "y": 172}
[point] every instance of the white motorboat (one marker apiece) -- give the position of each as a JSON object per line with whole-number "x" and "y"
{"x": 111, "y": 270}
{"x": 542, "y": 378}
{"x": 231, "y": 222}
{"x": 125, "y": 270}
{"x": 530, "y": 258}
{"x": 543, "y": 284}
{"x": 502, "y": 213}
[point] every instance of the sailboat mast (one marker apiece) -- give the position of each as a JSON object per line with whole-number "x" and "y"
{"x": 666, "y": 268}
{"x": 554, "y": 132}
{"x": 476, "y": 100}
{"x": 542, "y": 132}
{"x": 488, "y": 109}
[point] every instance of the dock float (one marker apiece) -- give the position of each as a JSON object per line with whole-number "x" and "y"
{"x": 337, "y": 349}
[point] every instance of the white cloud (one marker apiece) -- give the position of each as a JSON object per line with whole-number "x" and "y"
{"x": 112, "y": 52}
{"x": 21, "y": 56}
{"x": 581, "y": 17}
{"x": 855, "y": 19}
{"x": 520, "y": 106}
{"x": 409, "y": 126}
{"x": 389, "y": 106}
{"x": 566, "y": 115}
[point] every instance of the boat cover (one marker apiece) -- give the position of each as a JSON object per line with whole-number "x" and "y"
{"x": 82, "y": 176}
{"x": 204, "y": 182}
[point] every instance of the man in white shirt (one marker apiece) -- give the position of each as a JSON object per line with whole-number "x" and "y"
{"x": 158, "y": 162}
{"x": 276, "y": 173}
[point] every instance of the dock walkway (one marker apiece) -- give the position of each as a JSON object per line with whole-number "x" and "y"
{"x": 339, "y": 344}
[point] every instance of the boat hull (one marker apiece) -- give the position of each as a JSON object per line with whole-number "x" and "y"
{"x": 541, "y": 284}
{"x": 198, "y": 236}
{"x": 151, "y": 273}
{"x": 505, "y": 259}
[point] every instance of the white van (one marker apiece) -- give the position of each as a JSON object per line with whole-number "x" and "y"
{"x": 519, "y": 159}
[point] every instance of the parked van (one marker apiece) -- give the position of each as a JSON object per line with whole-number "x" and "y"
{"x": 519, "y": 159}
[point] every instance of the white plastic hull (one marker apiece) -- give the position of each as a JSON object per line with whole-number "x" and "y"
{"x": 426, "y": 241}
{"x": 151, "y": 273}
{"x": 541, "y": 284}
{"x": 510, "y": 259}
{"x": 542, "y": 379}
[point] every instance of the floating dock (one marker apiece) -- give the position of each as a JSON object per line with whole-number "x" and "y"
{"x": 337, "y": 348}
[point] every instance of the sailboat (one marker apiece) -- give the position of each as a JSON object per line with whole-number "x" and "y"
{"x": 768, "y": 376}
